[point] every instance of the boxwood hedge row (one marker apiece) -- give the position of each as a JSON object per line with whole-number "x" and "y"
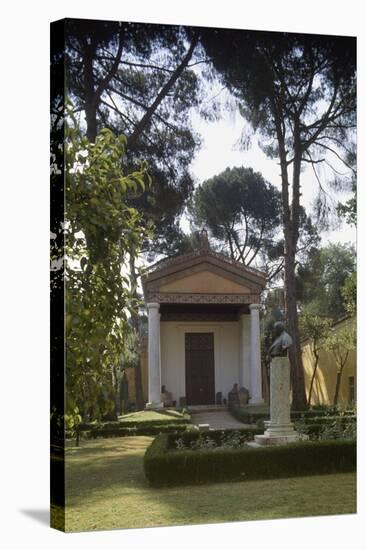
{"x": 316, "y": 416}
{"x": 170, "y": 467}
{"x": 120, "y": 431}
{"x": 189, "y": 437}
{"x": 94, "y": 429}
{"x": 328, "y": 420}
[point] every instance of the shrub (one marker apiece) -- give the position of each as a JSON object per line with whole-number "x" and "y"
{"x": 120, "y": 431}
{"x": 212, "y": 439}
{"x": 251, "y": 417}
{"x": 168, "y": 467}
{"x": 169, "y": 423}
{"x": 247, "y": 417}
{"x": 336, "y": 427}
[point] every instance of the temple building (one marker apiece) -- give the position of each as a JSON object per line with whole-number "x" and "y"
{"x": 203, "y": 329}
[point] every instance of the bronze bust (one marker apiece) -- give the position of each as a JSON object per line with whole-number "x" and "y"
{"x": 282, "y": 341}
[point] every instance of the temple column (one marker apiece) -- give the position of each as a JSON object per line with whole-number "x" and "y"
{"x": 255, "y": 388}
{"x": 244, "y": 351}
{"x": 154, "y": 357}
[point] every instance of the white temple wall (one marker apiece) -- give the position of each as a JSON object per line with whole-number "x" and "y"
{"x": 226, "y": 350}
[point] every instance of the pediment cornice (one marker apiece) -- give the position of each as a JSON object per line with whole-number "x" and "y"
{"x": 180, "y": 267}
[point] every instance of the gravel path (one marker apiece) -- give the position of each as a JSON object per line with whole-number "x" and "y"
{"x": 218, "y": 420}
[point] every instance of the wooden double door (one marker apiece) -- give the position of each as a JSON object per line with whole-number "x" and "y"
{"x": 200, "y": 368}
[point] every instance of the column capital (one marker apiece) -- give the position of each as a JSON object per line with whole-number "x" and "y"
{"x": 254, "y": 306}
{"x": 153, "y": 305}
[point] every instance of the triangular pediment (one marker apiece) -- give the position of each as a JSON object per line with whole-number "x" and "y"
{"x": 207, "y": 273}
{"x": 205, "y": 281}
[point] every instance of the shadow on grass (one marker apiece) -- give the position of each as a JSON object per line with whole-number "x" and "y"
{"x": 118, "y": 463}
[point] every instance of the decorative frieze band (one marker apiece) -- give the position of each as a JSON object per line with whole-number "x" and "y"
{"x": 186, "y": 298}
{"x": 208, "y": 316}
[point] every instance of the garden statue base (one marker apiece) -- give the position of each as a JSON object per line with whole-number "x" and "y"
{"x": 280, "y": 430}
{"x": 279, "y": 435}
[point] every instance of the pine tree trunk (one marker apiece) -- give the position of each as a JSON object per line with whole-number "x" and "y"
{"x": 299, "y": 401}
{"x": 313, "y": 377}
{"x": 290, "y": 229}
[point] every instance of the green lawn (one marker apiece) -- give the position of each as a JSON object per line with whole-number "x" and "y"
{"x": 106, "y": 489}
{"x": 144, "y": 416}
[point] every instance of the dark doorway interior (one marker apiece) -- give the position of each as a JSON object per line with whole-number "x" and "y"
{"x": 200, "y": 368}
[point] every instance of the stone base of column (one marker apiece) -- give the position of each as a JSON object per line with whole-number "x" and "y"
{"x": 153, "y": 406}
{"x": 278, "y": 434}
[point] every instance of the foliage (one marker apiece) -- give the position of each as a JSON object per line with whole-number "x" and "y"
{"x": 169, "y": 467}
{"x": 248, "y": 417}
{"x": 338, "y": 429}
{"x": 316, "y": 329}
{"x": 349, "y": 294}
{"x": 321, "y": 278}
{"x": 241, "y": 210}
{"x": 340, "y": 342}
{"x": 298, "y": 93}
{"x": 349, "y": 209}
{"x": 139, "y": 423}
{"x": 131, "y": 351}
{"x": 138, "y": 79}
{"x": 99, "y": 229}
{"x": 338, "y": 426}
{"x": 213, "y": 439}
{"x": 128, "y": 431}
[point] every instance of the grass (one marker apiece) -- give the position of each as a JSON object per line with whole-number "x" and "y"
{"x": 106, "y": 489}
{"x": 144, "y": 416}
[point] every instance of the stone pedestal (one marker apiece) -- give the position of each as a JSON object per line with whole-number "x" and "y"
{"x": 280, "y": 429}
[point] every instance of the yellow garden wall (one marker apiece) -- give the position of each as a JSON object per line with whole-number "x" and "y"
{"x": 325, "y": 380}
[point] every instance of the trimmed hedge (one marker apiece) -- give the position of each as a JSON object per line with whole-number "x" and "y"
{"x": 120, "y": 431}
{"x": 217, "y": 436}
{"x": 251, "y": 417}
{"x": 328, "y": 419}
{"x": 167, "y": 467}
{"x": 132, "y": 427}
{"x": 248, "y": 417}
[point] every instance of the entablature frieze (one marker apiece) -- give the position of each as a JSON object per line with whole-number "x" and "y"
{"x": 187, "y": 298}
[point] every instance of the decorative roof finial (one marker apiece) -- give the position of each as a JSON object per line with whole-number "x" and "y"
{"x": 204, "y": 243}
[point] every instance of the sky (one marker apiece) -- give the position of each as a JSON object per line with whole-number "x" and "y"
{"x": 220, "y": 150}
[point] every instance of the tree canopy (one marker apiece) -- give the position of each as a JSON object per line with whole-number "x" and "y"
{"x": 137, "y": 79}
{"x": 321, "y": 279}
{"x": 298, "y": 92}
{"x": 100, "y": 231}
{"x": 240, "y": 209}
